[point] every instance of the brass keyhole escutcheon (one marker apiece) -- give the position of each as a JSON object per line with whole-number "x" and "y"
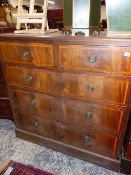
{"x": 26, "y": 55}
{"x": 33, "y": 103}
{"x": 88, "y": 140}
{"x": 92, "y": 58}
{"x": 89, "y": 114}
{"x": 90, "y": 88}
{"x": 29, "y": 79}
{"x": 35, "y": 123}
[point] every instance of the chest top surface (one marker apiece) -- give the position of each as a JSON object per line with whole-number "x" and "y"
{"x": 59, "y": 37}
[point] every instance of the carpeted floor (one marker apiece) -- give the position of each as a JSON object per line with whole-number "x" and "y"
{"x": 41, "y": 157}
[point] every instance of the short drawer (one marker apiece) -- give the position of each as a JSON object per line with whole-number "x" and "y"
{"x": 115, "y": 60}
{"x": 89, "y": 139}
{"x": 128, "y": 152}
{"x": 73, "y": 112}
{"x": 83, "y": 86}
{"x": 24, "y": 77}
{"x": 3, "y": 90}
{"x": 28, "y": 53}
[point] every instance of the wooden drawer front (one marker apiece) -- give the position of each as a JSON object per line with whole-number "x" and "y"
{"x": 89, "y": 139}
{"x": 100, "y": 59}
{"x": 24, "y": 77}
{"x": 128, "y": 152}
{"x": 33, "y": 54}
{"x": 5, "y": 108}
{"x": 85, "y": 86}
{"x": 3, "y": 90}
{"x": 1, "y": 75}
{"x": 70, "y": 111}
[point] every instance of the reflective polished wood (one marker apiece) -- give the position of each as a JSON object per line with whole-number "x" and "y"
{"x": 71, "y": 94}
{"x": 70, "y": 111}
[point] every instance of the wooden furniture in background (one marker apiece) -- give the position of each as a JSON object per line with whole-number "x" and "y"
{"x": 71, "y": 94}
{"x": 7, "y": 29}
{"x": 55, "y": 18}
{"x": 31, "y": 18}
{"x": 4, "y": 3}
{"x": 6, "y": 16}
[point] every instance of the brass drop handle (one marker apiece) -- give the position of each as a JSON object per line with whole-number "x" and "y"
{"x": 90, "y": 88}
{"x": 89, "y": 114}
{"x": 33, "y": 103}
{"x": 35, "y": 123}
{"x": 87, "y": 140}
{"x": 26, "y": 55}
{"x": 29, "y": 79}
{"x": 92, "y": 58}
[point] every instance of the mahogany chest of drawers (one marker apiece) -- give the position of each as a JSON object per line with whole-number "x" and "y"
{"x": 72, "y": 94}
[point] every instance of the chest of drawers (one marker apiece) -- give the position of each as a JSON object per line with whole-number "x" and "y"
{"x": 70, "y": 94}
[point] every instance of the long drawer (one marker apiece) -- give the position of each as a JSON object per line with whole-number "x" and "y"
{"x": 115, "y": 60}
{"x": 73, "y": 112}
{"x": 88, "y": 139}
{"x": 83, "y": 86}
{"x": 31, "y": 53}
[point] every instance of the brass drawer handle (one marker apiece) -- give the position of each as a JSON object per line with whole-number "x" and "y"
{"x": 33, "y": 103}
{"x": 89, "y": 114}
{"x": 29, "y": 79}
{"x": 92, "y": 58}
{"x": 88, "y": 140}
{"x": 26, "y": 55}
{"x": 35, "y": 123}
{"x": 90, "y": 88}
